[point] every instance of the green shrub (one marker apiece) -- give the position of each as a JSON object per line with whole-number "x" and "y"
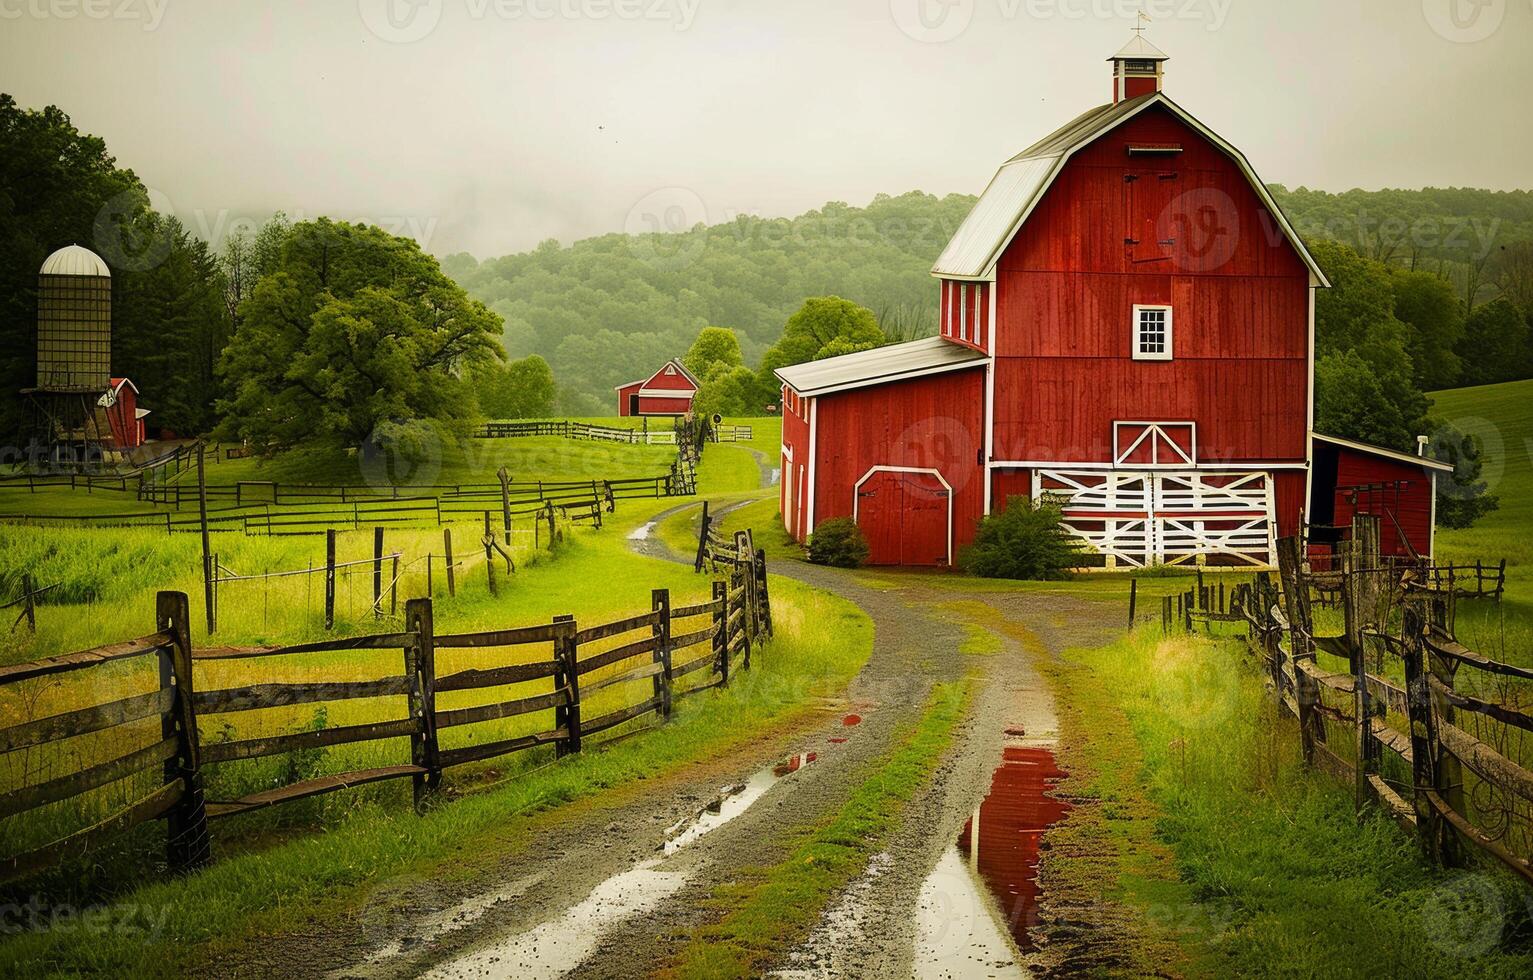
{"x": 1025, "y": 541}
{"x": 838, "y": 542}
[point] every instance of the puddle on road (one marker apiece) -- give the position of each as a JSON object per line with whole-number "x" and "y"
{"x": 642, "y": 532}
{"x": 957, "y": 932}
{"x": 851, "y": 720}
{"x": 1001, "y": 839}
{"x": 986, "y": 885}
{"x": 555, "y": 947}
{"x": 733, "y": 802}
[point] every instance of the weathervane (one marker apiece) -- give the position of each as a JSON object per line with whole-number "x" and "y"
{"x": 1141, "y": 20}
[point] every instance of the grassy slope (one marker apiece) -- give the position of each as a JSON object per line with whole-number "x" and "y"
{"x": 1502, "y": 417}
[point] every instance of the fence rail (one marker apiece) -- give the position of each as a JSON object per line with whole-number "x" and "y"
{"x": 570, "y": 682}
{"x": 1419, "y": 724}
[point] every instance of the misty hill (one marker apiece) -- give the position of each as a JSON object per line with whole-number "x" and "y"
{"x": 605, "y": 310}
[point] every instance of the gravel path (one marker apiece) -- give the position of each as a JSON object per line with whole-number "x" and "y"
{"x": 548, "y": 906}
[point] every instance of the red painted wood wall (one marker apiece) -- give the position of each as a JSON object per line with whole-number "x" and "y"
{"x": 1412, "y": 507}
{"x": 625, "y": 398}
{"x": 793, "y": 493}
{"x": 935, "y": 422}
{"x": 1068, "y": 283}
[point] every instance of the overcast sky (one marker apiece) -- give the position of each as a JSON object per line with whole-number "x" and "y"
{"x": 489, "y": 125}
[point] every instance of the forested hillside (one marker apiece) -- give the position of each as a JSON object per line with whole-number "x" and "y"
{"x": 609, "y": 309}
{"x": 603, "y": 309}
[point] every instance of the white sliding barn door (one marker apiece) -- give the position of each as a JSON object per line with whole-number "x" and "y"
{"x": 1136, "y": 518}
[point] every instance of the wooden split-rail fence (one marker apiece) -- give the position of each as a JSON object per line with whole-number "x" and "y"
{"x": 1394, "y": 704}
{"x": 568, "y": 682}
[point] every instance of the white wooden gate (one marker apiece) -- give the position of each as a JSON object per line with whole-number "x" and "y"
{"x": 1139, "y": 518}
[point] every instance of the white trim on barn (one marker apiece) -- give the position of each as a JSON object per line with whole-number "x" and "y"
{"x": 857, "y": 489}
{"x": 812, "y": 490}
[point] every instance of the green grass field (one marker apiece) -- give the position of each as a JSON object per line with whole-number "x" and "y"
{"x": 1501, "y": 416}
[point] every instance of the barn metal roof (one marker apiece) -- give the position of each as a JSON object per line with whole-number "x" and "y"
{"x": 896, "y": 362}
{"x": 1022, "y": 181}
{"x": 1138, "y": 49}
{"x": 73, "y": 260}
{"x": 1399, "y": 457}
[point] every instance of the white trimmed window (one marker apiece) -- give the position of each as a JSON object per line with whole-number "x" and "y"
{"x": 1152, "y": 333}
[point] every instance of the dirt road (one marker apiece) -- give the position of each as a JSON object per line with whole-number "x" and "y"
{"x": 612, "y": 885}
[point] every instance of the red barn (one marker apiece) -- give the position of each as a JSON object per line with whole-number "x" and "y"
{"x": 1127, "y": 324}
{"x": 669, "y": 391}
{"x": 124, "y": 417}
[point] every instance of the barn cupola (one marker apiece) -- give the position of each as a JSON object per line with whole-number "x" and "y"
{"x": 1138, "y": 69}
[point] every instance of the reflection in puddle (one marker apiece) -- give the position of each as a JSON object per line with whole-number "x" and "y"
{"x": 1001, "y": 839}
{"x": 957, "y": 934}
{"x": 642, "y": 532}
{"x": 555, "y": 947}
{"x": 793, "y": 764}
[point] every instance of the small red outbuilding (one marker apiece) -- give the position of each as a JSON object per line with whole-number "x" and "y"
{"x": 124, "y": 417}
{"x": 669, "y": 391}
{"x": 1352, "y": 478}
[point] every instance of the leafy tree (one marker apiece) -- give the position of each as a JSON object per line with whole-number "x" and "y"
{"x": 1427, "y": 304}
{"x": 1359, "y": 338}
{"x": 1514, "y": 273}
{"x": 523, "y": 389}
{"x": 1351, "y": 403}
{"x": 825, "y": 326}
{"x": 356, "y": 331}
{"x": 733, "y": 392}
{"x": 1495, "y": 344}
{"x": 716, "y": 348}
{"x": 1465, "y": 497}
{"x": 1027, "y": 540}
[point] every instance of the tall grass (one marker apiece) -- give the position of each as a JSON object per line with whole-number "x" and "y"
{"x": 1288, "y": 880}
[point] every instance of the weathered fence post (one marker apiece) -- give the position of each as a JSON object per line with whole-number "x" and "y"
{"x": 1448, "y": 772}
{"x": 761, "y": 590}
{"x": 1424, "y": 741}
{"x": 420, "y": 667}
{"x": 452, "y": 586}
{"x": 745, "y": 617}
{"x": 207, "y": 548}
{"x": 378, "y": 572}
{"x": 660, "y": 602}
{"x": 721, "y": 625}
{"x": 1305, "y": 693}
{"x": 489, "y": 554}
{"x": 330, "y": 579}
{"x": 702, "y": 539}
{"x": 1133, "y": 600}
{"x": 549, "y": 507}
{"x": 567, "y": 654}
{"x": 505, "y": 501}
{"x": 394, "y": 587}
{"x": 186, "y": 845}
{"x": 29, "y": 589}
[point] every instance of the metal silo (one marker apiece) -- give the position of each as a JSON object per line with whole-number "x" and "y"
{"x": 74, "y": 321}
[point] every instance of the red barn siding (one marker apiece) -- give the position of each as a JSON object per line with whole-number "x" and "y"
{"x": 930, "y": 423}
{"x": 793, "y": 493}
{"x": 664, "y": 406}
{"x": 1411, "y": 506}
{"x": 1068, "y": 283}
{"x": 1289, "y": 488}
{"x": 625, "y": 399}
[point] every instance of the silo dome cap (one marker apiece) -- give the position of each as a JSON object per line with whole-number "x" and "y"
{"x": 73, "y": 260}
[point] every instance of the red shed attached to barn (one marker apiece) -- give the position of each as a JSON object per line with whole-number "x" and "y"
{"x": 669, "y": 391}
{"x": 1351, "y": 478}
